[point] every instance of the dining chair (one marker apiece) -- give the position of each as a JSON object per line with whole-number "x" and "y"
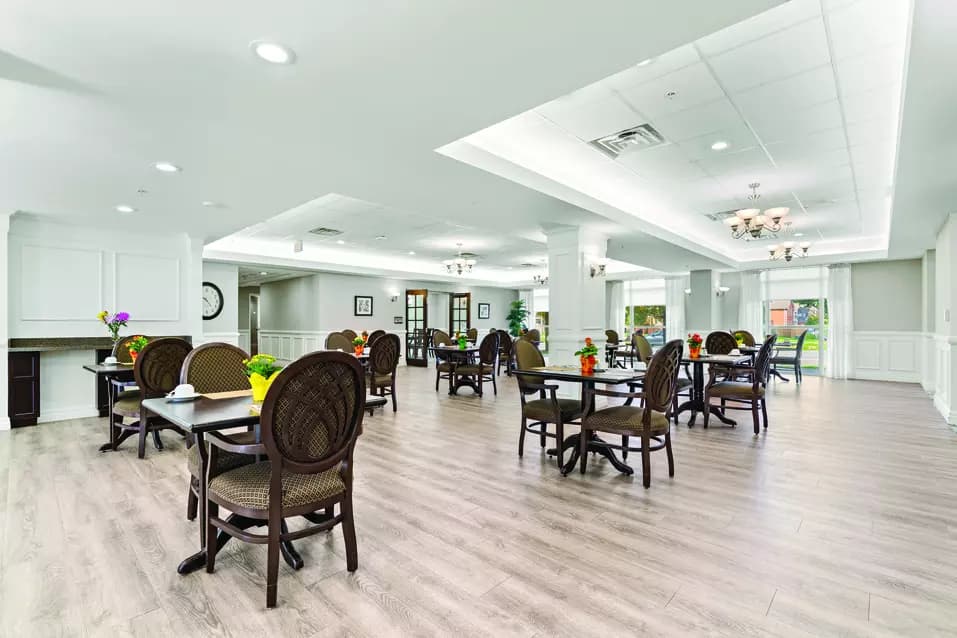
{"x": 650, "y": 420}
{"x": 611, "y": 336}
{"x": 472, "y": 334}
{"x": 310, "y": 421}
{"x": 339, "y": 341}
{"x": 789, "y": 358}
{"x": 611, "y": 339}
{"x": 383, "y": 363}
{"x": 547, "y": 408}
{"x": 505, "y": 352}
{"x": 743, "y": 395}
{"x": 210, "y": 368}
{"x": 443, "y": 367}
{"x": 373, "y": 336}
{"x": 744, "y": 337}
{"x": 534, "y": 336}
{"x": 156, "y": 372}
{"x": 627, "y": 355}
{"x": 720, "y": 342}
{"x": 484, "y": 369}
{"x": 349, "y": 334}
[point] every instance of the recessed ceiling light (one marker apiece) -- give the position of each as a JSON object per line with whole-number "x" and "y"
{"x": 166, "y": 167}
{"x": 340, "y": 242}
{"x": 211, "y": 204}
{"x": 123, "y": 208}
{"x": 411, "y": 252}
{"x": 380, "y": 237}
{"x": 272, "y": 52}
{"x": 263, "y": 272}
{"x": 799, "y": 234}
{"x": 720, "y": 145}
{"x": 645, "y": 62}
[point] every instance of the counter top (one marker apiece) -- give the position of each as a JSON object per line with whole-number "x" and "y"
{"x": 50, "y": 344}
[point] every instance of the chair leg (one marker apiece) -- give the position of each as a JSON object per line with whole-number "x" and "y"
{"x": 755, "y": 417}
{"x": 559, "y": 439}
{"x": 438, "y": 376}
{"x": 349, "y": 533}
{"x": 645, "y": 460}
{"x": 212, "y": 509}
{"x": 671, "y": 456}
{"x": 583, "y": 448}
{"x": 624, "y": 447}
{"x": 542, "y": 438}
{"x": 141, "y": 447}
{"x": 157, "y": 441}
{"x": 521, "y": 439}
{"x": 764, "y": 412}
{"x": 494, "y": 385}
{"x": 707, "y": 410}
{"x": 272, "y": 563}
{"x": 192, "y": 502}
{"x": 481, "y": 380}
{"x": 395, "y": 406}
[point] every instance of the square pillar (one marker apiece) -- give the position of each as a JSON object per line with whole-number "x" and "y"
{"x": 576, "y": 296}
{"x": 703, "y": 312}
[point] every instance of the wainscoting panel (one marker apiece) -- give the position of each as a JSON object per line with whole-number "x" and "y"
{"x": 244, "y": 340}
{"x": 289, "y": 345}
{"x": 887, "y": 355}
{"x": 150, "y": 284}
{"x": 60, "y": 284}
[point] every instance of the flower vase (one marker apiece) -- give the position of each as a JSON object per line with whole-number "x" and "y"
{"x": 588, "y": 364}
{"x": 694, "y": 351}
{"x": 359, "y": 350}
{"x": 463, "y": 344}
{"x": 260, "y": 385}
{"x": 134, "y": 354}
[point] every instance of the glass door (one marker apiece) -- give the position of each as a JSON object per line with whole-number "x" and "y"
{"x": 416, "y": 316}
{"x": 789, "y": 318}
{"x": 460, "y": 306}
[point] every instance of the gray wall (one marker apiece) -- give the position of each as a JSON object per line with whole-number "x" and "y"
{"x": 291, "y": 304}
{"x": 887, "y": 295}
{"x": 728, "y": 302}
{"x": 244, "y": 292}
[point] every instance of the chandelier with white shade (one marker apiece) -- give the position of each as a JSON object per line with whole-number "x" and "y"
{"x": 751, "y": 223}
{"x": 460, "y": 264}
{"x": 787, "y": 252}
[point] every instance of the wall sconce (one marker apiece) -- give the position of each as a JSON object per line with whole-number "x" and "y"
{"x": 687, "y": 291}
{"x": 393, "y": 295}
{"x": 597, "y": 270}
{"x": 720, "y": 290}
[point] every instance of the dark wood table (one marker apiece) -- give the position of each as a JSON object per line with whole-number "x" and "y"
{"x": 573, "y": 374}
{"x": 457, "y": 356}
{"x": 117, "y": 376}
{"x": 696, "y": 404}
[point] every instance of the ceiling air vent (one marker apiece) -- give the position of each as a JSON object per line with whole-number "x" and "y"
{"x": 325, "y": 232}
{"x": 721, "y": 216}
{"x": 631, "y": 139}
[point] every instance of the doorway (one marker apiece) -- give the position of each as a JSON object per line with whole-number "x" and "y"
{"x": 253, "y": 324}
{"x": 460, "y": 312}
{"x": 416, "y": 320}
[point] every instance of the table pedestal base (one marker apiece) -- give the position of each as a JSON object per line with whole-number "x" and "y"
{"x": 596, "y": 445}
{"x": 699, "y": 406}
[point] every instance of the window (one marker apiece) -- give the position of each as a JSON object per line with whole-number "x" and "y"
{"x": 648, "y": 321}
{"x": 541, "y": 323}
{"x": 788, "y": 318}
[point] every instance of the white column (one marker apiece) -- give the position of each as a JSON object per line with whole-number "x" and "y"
{"x": 193, "y": 287}
{"x": 576, "y": 302}
{"x": 928, "y": 329}
{"x": 945, "y": 350}
{"x": 703, "y": 310}
{"x": 4, "y": 318}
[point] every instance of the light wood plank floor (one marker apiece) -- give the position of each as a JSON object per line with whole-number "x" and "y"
{"x": 840, "y": 520}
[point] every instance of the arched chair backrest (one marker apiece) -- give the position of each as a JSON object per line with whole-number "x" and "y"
{"x": 384, "y": 357}
{"x": 611, "y": 337}
{"x": 505, "y": 342}
{"x": 339, "y": 341}
{"x": 349, "y": 334}
{"x": 312, "y": 413}
{"x": 527, "y": 356}
{"x": 375, "y": 334}
{"x": 488, "y": 349}
{"x": 159, "y": 364}
{"x": 472, "y": 334}
{"x": 533, "y": 335}
{"x": 745, "y": 337}
{"x": 440, "y": 338}
{"x": 800, "y": 344}
{"x": 662, "y": 377}
{"x": 720, "y": 342}
{"x": 122, "y": 353}
{"x": 215, "y": 367}
{"x": 762, "y": 362}
{"x": 642, "y": 347}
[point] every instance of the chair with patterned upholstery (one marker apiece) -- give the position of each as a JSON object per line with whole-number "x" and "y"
{"x": 443, "y": 368}
{"x": 156, "y": 372}
{"x": 209, "y": 368}
{"x": 383, "y": 363}
{"x": 373, "y": 336}
{"x": 534, "y": 336}
{"x": 349, "y": 334}
{"x": 744, "y": 337}
{"x": 505, "y": 352}
{"x": 339, "y": 341}
{"x": 471, "y": 335}
{"x": 547, "y": 408}
{"x": 310, "y": 421}
{"x": 720, "y": 342}
{"x": 650, "y": 420}
{"x": 743, "y": 395}
{"x": 611, "y": 339}
{"x": 484, "y": 369}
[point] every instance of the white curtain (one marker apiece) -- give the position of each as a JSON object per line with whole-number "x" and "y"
{"x": 841, "y": 321}
{"x": 675, "y": 306}
{"x": 616, "y": 307}
{"x": 751, "y": 304}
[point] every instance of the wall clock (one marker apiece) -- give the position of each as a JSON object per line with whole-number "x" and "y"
{"x": 212, "y": 300}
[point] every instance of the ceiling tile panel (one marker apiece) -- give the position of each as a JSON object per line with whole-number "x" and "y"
{"x": 662, "y": 65}
{"x": 739, "y": 138}
{"x": 788, "y": 52}
{"x": 874, "y": 69}
{"x": 697, "y": 121}
{"x": 693, "y": 86}
{"x": 879, "y": 106}
{"x": 663, "y": 163}
{"x": 793, "y": 93}
{"x": 760, "y": 25}
{"x": 785, "y": 125}
{"x": 860, "y": 27}
{"x": 591, "y": 114}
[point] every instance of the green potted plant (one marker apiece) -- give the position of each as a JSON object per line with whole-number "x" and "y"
{"x": 517, "y": 314}
{"x": 261, "y": 370}
{"x": 136, "y": 345}
{"x": 359, "y": 345}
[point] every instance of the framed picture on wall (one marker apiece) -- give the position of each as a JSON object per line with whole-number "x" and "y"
{"x": 363, "y": 306}
{"x": 397, "y": 319}
{"x": 485, "y": 311}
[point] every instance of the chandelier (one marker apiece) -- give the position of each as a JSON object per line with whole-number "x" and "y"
{"x": 751, "y": 223}
{"x": 541, "y": 280}
{"x": 460, "y": 265}
{"x": 786, "y": 251}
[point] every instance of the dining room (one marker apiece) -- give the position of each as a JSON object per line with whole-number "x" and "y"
{"x": 664, "y": 308}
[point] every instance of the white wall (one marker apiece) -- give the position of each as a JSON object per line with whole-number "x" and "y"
{"x": 244, "y": 293}
{"x": 887, "y": 295}
{"x": 290, "y": 305}
{"x": 225, "y": 326}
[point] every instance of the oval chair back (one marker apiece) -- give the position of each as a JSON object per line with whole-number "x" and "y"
{"x": 661, "y": 379}
{"x": 611, "y": 336}
{"x": 533, "y": 335}
{"x": 158, "y": 366}
{"x": 384, "y": 357}
{"x": 488, "y": 350}
{"x": 527, "y": 356}
{"x": 745, "y": 337}
{"x": 800, "y": 346}
{"x": 642, "y": 348}
{"x": 374, "y": 335}
{"x": 440, "y": 338}
{"x": 349, "y": 334}
{"x": 215, "y": 367}
{"x": 472, "y": 334}
{"x": 339, "y": 341}
{"x": 720, "y": 342}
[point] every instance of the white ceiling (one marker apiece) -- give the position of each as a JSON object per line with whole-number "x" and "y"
{"x": 807, "y": 96}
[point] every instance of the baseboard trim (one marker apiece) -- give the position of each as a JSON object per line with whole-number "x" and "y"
{"x": 66, "y": 414}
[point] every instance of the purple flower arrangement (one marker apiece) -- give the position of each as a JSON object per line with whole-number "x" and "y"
{"x": 113, "y": 322}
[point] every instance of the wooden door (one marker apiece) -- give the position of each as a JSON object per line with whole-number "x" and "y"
{"x": 416, "y": 320}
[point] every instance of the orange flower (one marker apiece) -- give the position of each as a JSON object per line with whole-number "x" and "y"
{"x": 587, "y": 341}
